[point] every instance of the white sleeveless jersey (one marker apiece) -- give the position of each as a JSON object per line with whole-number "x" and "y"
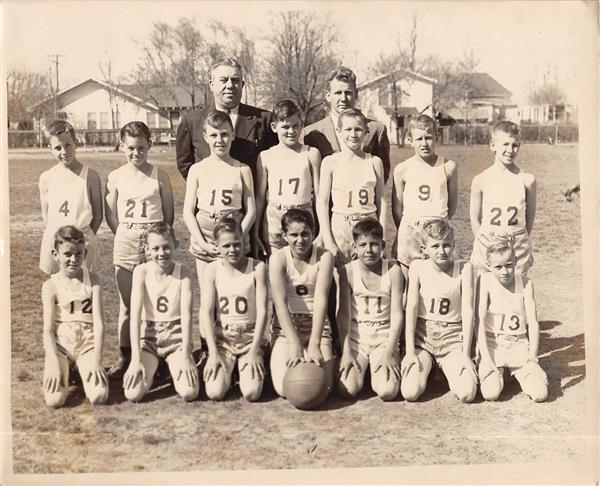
{"x": 162, "y": 300}
{"x": 73, "y": 298}
{"x": 301, "y": 286}
{"x": 138, "y": 198}
{"x": 503, "y": 202}
{"x": 506, "y": 311}
{"x": 289, "y": 178}
{"x": 220, "y": 187}
{"x": 67, "y": 198}
{"x": 425, "y": 189}
{"x": 236, "y": 297}
{"x": 440, "y": 297}
{"x": 353, "y": 188}
{"x": 371, "y": 304}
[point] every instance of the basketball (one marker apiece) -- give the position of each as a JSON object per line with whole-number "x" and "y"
{"x": 304, "y": 386}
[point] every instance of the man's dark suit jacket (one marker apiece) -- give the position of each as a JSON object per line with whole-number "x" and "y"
{"x": 321, "y": 135}
{"x": 252, "y": 135}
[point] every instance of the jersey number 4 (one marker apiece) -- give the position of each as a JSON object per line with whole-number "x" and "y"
{"x": 240, "y": 304}
{"x": 497, "y": 214}
{"x": 64, "y": 208}
{"x": 443, "y": 306}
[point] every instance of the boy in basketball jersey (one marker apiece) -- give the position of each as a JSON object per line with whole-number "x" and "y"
{"x": 370, "y": 316}
{"x": 300, "y": 276}
{"x": 439, "y": 317}
{"x": 217, "y": 187}
{"x": 233, "y": 315}
{"x": 137, "y": 195}
{"x": 425, "y": 187}
{"x": 503, "y": 201}
{"x": 287, "y": 177}
{"x": 70, "y": 194}
{"x": 353, "y": 182}
{"x": 73, "y": 323}
{"x": 161, "y": 319}
{"x": 509, "y": 332}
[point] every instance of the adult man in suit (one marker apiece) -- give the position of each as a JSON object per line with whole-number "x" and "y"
{"x": 340, "y": 95}
{"x": 251, "y": 124}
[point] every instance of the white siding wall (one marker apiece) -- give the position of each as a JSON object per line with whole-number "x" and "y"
{"x": 419, "y": 95}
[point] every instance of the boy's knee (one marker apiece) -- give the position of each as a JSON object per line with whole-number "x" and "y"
{"x": 491, "y": 388}
{"x": 135, "y": 394}
{"x": 411, "y": 389}
{"x": 98, "y": 395}
{"x": 466, "y": 391}
{"x": 538, "y": 392}
{"x": 189, "y": 393}
{"x": 252, "y": 391}
{"x": 56, "y": 399}
{"x": 216, "y": 390}
{"x": 348, "y": 388}
{"x": 387, "y": 391}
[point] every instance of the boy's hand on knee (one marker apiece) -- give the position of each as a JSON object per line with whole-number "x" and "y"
{"x": 52, "y": 378}
{"x": 190, "y": 372}
{"x": 408, "y": 362}
{"x": 134, "y": 370}
{"x": 213, "y": 363}
{"x": 468, "y": 366}
{"x": 389, "y": 364}
{"x": 97, "y": 376}
{"x": 297, "y": 355}
{"x": 210, "y": 248}
{"x": 534, "y": 368}
{"x": 347, "y": 362}
{"x": 313, "y": 353}
{"x": 255, "y": 362}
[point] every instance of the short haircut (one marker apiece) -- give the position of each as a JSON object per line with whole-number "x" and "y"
{"x": 161, "y": 228}
{"x": 227, "y": 225}
{"x": 422, "y": 122}
{"x": 68, "y": 234}
{"x": 284, "y": 109}
{"x": 227, "y": 61}
{"x": 499, "y": 246}
{"x": 353, "y": 113}
{"x": 367, "y": 227}
{"x": 135, "y": 129}
{"x": 437, "y": 229}
{"x": 342, "y": 73}
{"x": 297, "y": 215}
{"x": 508, "y": 127}
{"x": 217, "y": 119}
{"x": 56, "y": 127}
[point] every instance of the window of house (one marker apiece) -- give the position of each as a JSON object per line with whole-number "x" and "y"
{"x": 151, "y": 119}
{"x": 163, "y": 121}
{"x": 92, "y": 120}
{"x": 104, "y": 120}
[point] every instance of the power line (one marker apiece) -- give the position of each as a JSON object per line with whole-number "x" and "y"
{"x": 56, "y": 63}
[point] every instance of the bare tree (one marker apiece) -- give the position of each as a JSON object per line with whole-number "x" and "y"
{"x": 24, "y": 90}
{"x": 300, "y": 56}
{"x": 105, "y": 66}
{"x": 548, "y": 90}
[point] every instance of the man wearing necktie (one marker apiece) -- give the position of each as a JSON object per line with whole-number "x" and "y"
{"x": 340, "y": 95}
{"x": 251, "y": 124}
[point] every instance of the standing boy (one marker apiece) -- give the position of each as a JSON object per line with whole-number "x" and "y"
{"x": 287, "y": 177}
{"x": 425, "y": 187}
{"x": 137, "y": 195}
{"x": 70, "y": 194}
{"x": 370, "y": 316}
{"x": 439, "y": 317}
{"x": 503, "y": 201}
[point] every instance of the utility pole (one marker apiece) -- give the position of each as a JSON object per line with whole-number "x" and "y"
{"x": 56, "y": 56}
{"x": 395, "y": 99}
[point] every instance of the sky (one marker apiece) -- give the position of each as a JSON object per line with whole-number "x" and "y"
{"x": 515, "y": 41}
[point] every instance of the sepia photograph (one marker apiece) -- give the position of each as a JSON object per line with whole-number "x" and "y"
{"x": 324, "y": 242}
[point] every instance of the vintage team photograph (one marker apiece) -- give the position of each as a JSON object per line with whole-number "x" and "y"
{"x": 302, "y": 238}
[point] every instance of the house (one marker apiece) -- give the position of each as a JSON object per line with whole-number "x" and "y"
{"x": 394, "y": 97}
{"x": 543, "y": 114}
{"x": 485, "y": 100}
{"x": 95, "y": 105}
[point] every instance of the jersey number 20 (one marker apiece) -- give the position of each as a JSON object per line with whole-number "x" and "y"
{"x": 240, "y": 304}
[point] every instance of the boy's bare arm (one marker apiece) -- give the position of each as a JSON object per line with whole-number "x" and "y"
{"x": 380, "y": 199}
{"x": 95, "y": 195}
{"x": 398, "y": 194}
{"x": 261, "y": 194}
{"x": 396, "y": 313}
{"x": 110, "y": 205}
{"x": 186, "y": 303}
{"x": 323, "y": 203}
{"x": 260, "y": 276}
{"x": 277, "y": 279}
{"x": 207, "y": 306}
{"x": 530, "y": 201}
{"x": 533, "y": 326}
{"x": 412, "y": 303}
{"x": 314, "y": 157}
{"x": 467, "y": 297}
{"x": 166, "y": 196}
{"x": 48, "y": 298}
{"x": 344, "y": 312}
{"x": 452, "y": 173}
{"x": 137, "y": 301}
{"x": 249, "y": 201}
{"x": 189, "y": 205}
{"x": 322, "y": 286}
{"x": 475, "y": 204}
{"x": 483, "y": 303}
{"x": 43, "y": 188}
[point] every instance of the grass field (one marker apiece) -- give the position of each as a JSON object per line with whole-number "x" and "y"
{"x": 271, "y": 434}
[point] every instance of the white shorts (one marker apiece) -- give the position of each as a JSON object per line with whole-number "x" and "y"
{"x": 235, "y": 340}
{"x": 508, "y": 351}
{"x": 367, "y": 336}
{"x": 161, "y": 338}
{"x": 442, "y": 340}
{"x": 521, "y": 245}
{"x": 48, "y": 263}
{"x": 206, "y": 223}
{"x": 74, "y": 339}
{"x": 128, "y": 249}
{"x": 341, "y": 228}
{"x": 303, "y": 326}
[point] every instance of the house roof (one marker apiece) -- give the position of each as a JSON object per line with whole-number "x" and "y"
{"x": 402, "y": 111}
{"x": 482, "y": 85}
{"x": 399, "y": 72}
{"x": 152, "y": 98}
